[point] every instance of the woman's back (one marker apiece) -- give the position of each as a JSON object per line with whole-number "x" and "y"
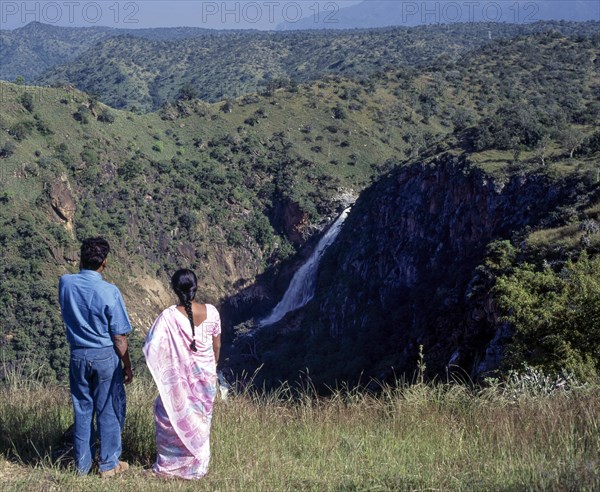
{"x": 199, "y": 312}
{"x": 182, "y": 349}
{"x": 207, "y": 325}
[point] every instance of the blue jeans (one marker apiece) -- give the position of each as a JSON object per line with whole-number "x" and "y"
{"x": 96, "y": 380}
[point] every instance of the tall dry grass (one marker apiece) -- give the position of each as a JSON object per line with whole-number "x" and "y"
{"x": 410, "y": 437}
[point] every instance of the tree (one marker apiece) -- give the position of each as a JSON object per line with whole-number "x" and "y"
{"x": 7, "y": 149}
{"x": 571, "y": 139}
{"x": 19, "y": 80}
{"x": 509, "y": 125}
{"x": 541, "y": 149}
{"x": 187, "y": 93}
{"x": 339, "y": 113}
{"x": 555, "y": 315}
{"x": 462, "y": 119}
{"x": 82, "y": 114}
{"x": 22, "y": 129}
{"x": 227, "y": 106}
{"x": 93, "y": 99}
{"x": 516, "y": 147}
{"x": 106, "y": 116}
{"x": 27, "y": 101}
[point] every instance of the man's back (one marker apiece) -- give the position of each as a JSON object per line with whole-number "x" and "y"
{"x": 97, "y": 327}
{"x": 93, "y": 310}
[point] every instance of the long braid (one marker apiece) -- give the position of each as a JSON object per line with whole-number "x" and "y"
{"x": 185, "y": 283}
{"x": 187, "y": 304}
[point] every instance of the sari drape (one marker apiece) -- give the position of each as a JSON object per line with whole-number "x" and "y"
{"x": 187, "y": 385}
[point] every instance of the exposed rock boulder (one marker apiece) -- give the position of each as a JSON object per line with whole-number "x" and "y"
{"x": 62, "y": 201}
{"x": 296, "y": 222}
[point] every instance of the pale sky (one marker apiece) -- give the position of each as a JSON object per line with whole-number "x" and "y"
{"x": 133, "y": 14}
{"x": 261, "y": 14}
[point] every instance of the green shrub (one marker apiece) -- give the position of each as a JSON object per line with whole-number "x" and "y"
{"x": 106, "y": 116}
{"x": 22, "y": 129}
{"x": 41, "y": 126}
{"x": 555, "y": 315}
{"x": 260, "y": 229}
{"x": 131, "y": 169}
{"x": 8, "y": 149}
{"x": 187, "y": 93}
{"x": 27, "y": 101}
{"x": 64, "y": 154}
{"x": 90, "y": 156}
{"x": 339, "y": 113}
{"x": 82, "y": 114}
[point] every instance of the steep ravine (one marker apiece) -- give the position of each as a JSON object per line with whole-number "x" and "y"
{"x": 397, "y": 277}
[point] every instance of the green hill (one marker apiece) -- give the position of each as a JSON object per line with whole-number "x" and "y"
{"x": 141, "y": 74}
{"x": 235, "y": 189}
{"x": 31, "y": 49}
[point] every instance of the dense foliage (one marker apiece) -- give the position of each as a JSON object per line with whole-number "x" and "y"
{"x": 26, "y": 52}
{"x": 140, "y": 73}
{"x": 555, "y": 315}
{"x": 28, "y": 299}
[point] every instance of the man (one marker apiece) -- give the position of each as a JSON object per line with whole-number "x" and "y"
{"x": 97, "y": 326}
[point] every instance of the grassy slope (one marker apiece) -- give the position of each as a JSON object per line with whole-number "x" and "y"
{"x": 228, "y": 253}
{"x": 433, "y": 437}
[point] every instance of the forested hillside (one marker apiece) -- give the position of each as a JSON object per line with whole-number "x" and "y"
{"x": 236, "y": 189}
{"x": 142, "y": 72}
{"x": 33, "y": 48}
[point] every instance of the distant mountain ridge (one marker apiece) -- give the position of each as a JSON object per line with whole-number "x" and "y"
{"x": 142, "y": 72}
{"x": 31, "y": 49}
{"x": 385, "y": 13}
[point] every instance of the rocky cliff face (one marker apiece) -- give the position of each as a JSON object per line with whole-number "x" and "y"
{"x": 258, "y": 292}
{"x": 399, "y": 273}
{"x": 62, "y": 201}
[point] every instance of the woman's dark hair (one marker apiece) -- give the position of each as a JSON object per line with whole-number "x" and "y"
{"x": 94, "y": 251}
{"x": 185, "y": 284}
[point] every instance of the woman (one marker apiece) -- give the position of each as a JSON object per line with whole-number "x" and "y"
{"x": 182, "y": 351}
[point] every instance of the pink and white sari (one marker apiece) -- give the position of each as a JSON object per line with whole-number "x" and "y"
{"x": 187, "y": 385}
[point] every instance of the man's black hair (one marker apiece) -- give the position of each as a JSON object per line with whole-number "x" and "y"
{"x": 94, "y": 251}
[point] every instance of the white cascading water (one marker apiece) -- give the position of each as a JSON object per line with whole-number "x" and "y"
{"x": 302, "y": 287}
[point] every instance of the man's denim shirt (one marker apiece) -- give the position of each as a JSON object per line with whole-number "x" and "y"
{"x": 93, "y": 310}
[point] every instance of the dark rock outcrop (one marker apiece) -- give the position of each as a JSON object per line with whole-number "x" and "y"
{"x": 295, "y": 222}
{"x": 398, "y": 275}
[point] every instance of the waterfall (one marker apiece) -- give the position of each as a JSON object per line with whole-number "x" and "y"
{"x": 302, "y": 287}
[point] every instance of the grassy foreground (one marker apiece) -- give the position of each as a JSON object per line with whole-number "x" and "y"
{"x": 421, "y": 437}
